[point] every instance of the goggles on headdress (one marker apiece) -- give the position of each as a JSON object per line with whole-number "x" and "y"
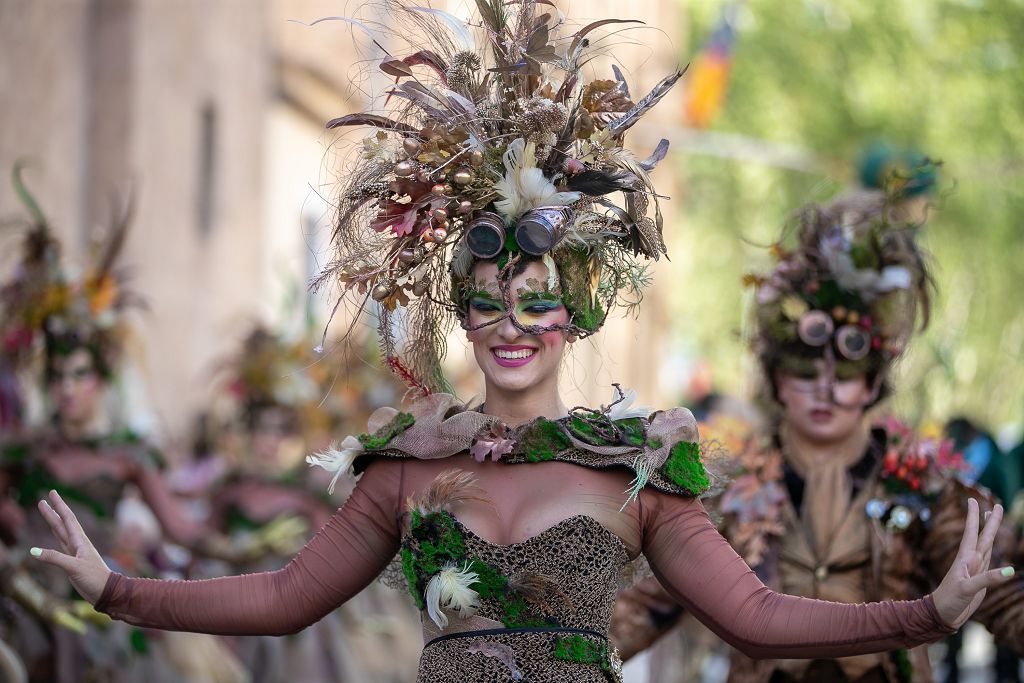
{"x": 537, "y": 232}
{"x": 817, "y": 329}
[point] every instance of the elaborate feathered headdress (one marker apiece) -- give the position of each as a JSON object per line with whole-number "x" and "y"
{"x": 493, "y": 146}
{"x": 42, "y": 306}
{"x": 851, "y": 291}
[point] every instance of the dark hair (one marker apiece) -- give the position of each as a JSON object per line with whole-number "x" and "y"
{"x": 63, "y": 344}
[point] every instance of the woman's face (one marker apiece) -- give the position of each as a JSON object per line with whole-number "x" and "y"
{"x": 510, "y": 359}
{"x": 75, "y": 387}
{"x": 821, "y": 408}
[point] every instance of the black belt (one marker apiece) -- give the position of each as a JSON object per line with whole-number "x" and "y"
{"x": 505, "y": 631}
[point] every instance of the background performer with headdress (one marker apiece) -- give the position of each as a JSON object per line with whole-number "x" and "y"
{"x": 497, "y": 193}
{"x": 828, "y": 506}
{"x": 78, "y": 327}
{"x": 274, "y": 403}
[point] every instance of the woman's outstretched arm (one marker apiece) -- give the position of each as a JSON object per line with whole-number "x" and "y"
{"x": 704, "y": 574}
{"x": 342, "y": 559}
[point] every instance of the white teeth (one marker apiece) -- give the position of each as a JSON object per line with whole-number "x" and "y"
{"x": 514, "y": 355}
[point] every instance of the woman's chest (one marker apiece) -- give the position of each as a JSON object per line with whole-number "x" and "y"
{"x": 507, "y": 505}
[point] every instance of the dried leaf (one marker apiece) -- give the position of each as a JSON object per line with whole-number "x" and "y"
{"x": 395, "y": 67}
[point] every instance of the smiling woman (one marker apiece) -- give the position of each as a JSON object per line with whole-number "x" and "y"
{"x": 492, "y": 205}
{"x": 513, "y": 361}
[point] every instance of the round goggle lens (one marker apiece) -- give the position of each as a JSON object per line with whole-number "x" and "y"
{"x": 853, "y": 342}
{"x": 485, "y": 236}
{"x": 815, "y": 328}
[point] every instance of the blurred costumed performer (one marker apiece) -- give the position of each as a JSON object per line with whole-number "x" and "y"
{"x": 827, "y": 506}
{"x": 280, "y": 398}
{"x": 77, "y": 326}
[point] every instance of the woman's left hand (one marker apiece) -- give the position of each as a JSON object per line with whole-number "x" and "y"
{"x": 963, "y": 588}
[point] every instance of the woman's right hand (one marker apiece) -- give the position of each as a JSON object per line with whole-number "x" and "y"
{"x": 84, "y": 566}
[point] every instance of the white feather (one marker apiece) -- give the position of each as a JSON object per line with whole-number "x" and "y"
{"x": 451, "y": 588}
{"x": 623, "y": 410}
{"x": 552, "y": 272}
{"x": 524, "y": 186}
{"x": 337, "y": 459}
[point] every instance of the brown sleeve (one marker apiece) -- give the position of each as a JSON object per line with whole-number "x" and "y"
{"x": 342, "y": 559}
{"x": 703, "y": 573}
{"x": 1002, "y": 610}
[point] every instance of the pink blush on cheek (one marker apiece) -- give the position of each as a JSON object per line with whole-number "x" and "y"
{"x": 552, "y": 339}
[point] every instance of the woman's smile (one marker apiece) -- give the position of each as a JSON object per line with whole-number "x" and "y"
{"x": 513, "y": 355}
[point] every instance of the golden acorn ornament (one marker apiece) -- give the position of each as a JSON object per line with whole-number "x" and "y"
{"x": 411, "y": 146}
{"x": 382, "y": 291}
{"x": 405, "y": 169}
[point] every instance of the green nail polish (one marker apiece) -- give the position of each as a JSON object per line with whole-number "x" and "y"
{"x": 35, "y": 552}
{"x": 1007, "y": 571}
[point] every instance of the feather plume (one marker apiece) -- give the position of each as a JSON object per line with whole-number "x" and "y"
{"x": 623, "y": 85}
{"x": 657, "y": 155}
{"x": 629, "y": 119}
{"x": 348, "y": 20}
{"x": 540, "y": 590}
{"x": 451, "y": 589}
{"x": 115, "y": 241}
{"x": 449, "y": 489}
{"x": 524, "y": 186}
{"x": 337, "y": 458}
{"x": 578, "y": 39}
{"x": 373, "y": 120}
{"x": 494, "y": 15}
{"x": 25, "y": 196}
{"x": 500, "y": 651}
{"x": 596, "y": 183}
{"x": 644, "y": 470}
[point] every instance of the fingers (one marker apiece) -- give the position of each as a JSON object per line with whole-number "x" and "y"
{"x": 56, "y": 525}
{"x": 969, "y": 541}
{"x": 59, "y": 559}
{"x": 989, "y": 579}
{"x": 74, "y": 529}
{"x": 988, "y": 534}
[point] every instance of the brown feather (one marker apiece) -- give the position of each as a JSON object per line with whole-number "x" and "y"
{"x": 540, "y": 590}
{"x": 373, "y": 120}
{"x": 450, "y": 488}
{"x": 627, "y": 120}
